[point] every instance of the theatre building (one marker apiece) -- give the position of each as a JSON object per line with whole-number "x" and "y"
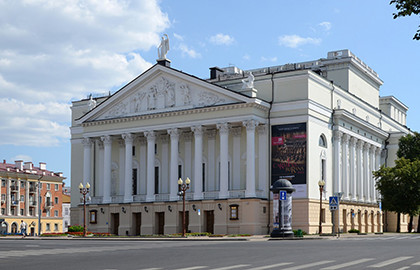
{"x": 233, "y": 135}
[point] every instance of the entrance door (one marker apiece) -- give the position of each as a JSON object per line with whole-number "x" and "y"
{"x": 344, "y": 220}
{"x": 137, "y": 223}
{"x": 187, "y": 221}
{"x": 14, "y": 228}
{"x": 160, "y": 222}
{"x": 209, "y": 221}
{"x": 115, "y": 223}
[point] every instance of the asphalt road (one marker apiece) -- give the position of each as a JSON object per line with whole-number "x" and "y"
{"x": 385, "y": 252}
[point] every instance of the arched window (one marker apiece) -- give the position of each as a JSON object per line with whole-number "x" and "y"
{"x": 322, "y": 141}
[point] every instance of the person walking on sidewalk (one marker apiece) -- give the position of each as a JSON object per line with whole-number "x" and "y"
{"x": 23, "y": 228}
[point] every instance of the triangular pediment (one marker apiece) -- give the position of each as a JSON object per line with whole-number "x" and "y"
{"x": 162, "y": 89}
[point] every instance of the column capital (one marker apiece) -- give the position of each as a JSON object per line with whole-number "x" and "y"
{"x": 360, "y": 144}
{"x": 346, "y": 138}
{"x": 250, "y": 124}
{"x": 223, "y": 128}
{"x": 87, "y": 142}
{"x": 262, "y": 129}
{"x": 164, "y": 138}
{"x": 128, "y": 137}
{"x": 236, "y": 131}
{"x": 353, "y": 141}
{"x": 373, "y": 149}
{"x": 187, "y": 136}
{"x": 174, "y": 133}
{"x": 378, "y": 150}
{"x": 121, "y": 143}
{"x": 337, "y": 134}
{"x": 150, "y": 135}
{"x": 366, "y": 146}
{"x": 107, "y": 140}
{"x": 198, "y": 130}
{"x": 142, "y": 140}
{"x": 211, "y": 133}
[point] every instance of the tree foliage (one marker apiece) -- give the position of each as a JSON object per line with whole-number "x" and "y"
{"x": 409, "y": 146}
{"x": 407, "y": 8}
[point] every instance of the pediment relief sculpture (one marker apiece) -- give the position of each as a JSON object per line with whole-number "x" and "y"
{"x": 162, "y": 95}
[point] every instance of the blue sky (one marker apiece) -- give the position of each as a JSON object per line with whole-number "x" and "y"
{"x": 54, "y": 52}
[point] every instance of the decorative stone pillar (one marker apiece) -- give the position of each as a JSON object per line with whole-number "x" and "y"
{"x": 143, "y": 166}
{"x": 128, "y": 179}
{"x": 345, "y": 166}
{"x": 151, "y": 137}
{"x": 164, "y": 163}
{"x": 210, "y": 181}
{"x": 377, "y": 166}
{"x": 236, "y": 159}
{"x": 224, "y": 161}
{"x": 366, "y": 172}
{"x": 107, "y": 168}
{"x": 98, "y": 189}
{"x": 337, "y": 168}
{"x": 360, "y": 169}
{"x": 87, "y": 149}
{"x": 262, "y": 159}
{"x": 187, "y": 137}
{"x": 353, "y": 169}
{"x": 173, "y": 178}
{"x": 372, "y": 154}
{"x": 250, "y": 157}
{"x": 198, "y": 162}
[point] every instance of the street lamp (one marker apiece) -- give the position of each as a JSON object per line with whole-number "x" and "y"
{"x": 321, "y": 184}
{"x": 182, "y": 188}
{"x": 84, "y": 191}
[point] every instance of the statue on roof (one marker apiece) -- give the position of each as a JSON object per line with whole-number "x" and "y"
{"x": 163, "y": 47}
{"x": 248, "y": 83}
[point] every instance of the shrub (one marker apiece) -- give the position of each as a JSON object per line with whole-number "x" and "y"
{"x": 76, "y": 228}
{"x": 354, "y": 231}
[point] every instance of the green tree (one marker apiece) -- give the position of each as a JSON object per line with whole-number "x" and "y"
{"x": 407, "y": 8}
{"x": 400, "y": 187}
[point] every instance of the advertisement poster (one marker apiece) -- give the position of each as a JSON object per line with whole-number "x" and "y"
{"x": 289, "y": 153}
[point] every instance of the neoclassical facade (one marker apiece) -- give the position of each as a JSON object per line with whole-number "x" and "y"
{"x": 233, "y": 135}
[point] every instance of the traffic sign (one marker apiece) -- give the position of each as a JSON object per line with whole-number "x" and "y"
{"x": 283, "y": 194}
{"x": 333, "y": 201}
{"x": 333, "y": 208}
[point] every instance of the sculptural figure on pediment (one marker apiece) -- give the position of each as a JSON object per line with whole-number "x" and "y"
{"x": 185, "y": 94}
{"x": 151, "y": 99}
{"x": 248, "y": 83}
{"x": 163, "y": 47}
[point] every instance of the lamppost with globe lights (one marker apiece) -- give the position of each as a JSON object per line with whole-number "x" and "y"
{"x": 182, "y": 188}
{"x": 84, "y": 191}
{"x": 321, "y": 184}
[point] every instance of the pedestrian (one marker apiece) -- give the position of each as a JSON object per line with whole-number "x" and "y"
{"x": 23, "y": 228}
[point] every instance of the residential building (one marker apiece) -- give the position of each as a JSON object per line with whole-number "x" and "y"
{"x": 66, "y": 199}
{"x": 233, "y": 135}
{"x": 32, "y": 195}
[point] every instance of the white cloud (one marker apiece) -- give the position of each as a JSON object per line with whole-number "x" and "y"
{"x": 326, "y": 25}
{"x": 269, "y": 59}
{"x": 294, "y": 41}
{"x": 55, "y": 51}
{"x": 178, "y": 37}
{"x": 188, "y": 51}
{"x": 221, "y": 39}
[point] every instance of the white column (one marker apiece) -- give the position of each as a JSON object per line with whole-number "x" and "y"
{"x": 366, "y": 171}
{"x": 119, "y": 190}
{"x": 27, "y": 198}
{"x": 107, "y": 168}
{"x": 353, "y": 169}
{"x": 173, "y": 178}
{"x": 250, "y": 158}
{"x": 224, "y": 161}
{"x": 345, "y": 167}
{"x": 337, "y": 163}
{"x": 211, "y": 165}
{"x": 360, "y": 170}
{"x": 87, "y": 149}
{"x": 236, "y": 159}
{"x": 143, "y": 167}
{"x": 187, "y": 136}
{"x": 99, "y": 191}
{"x": 165, "y": 169}
{"x": 128, "y": 180}
{"x": 262, "y": 159}
{"x": 377, "y": 166}
{"x": 371, "y": 169}
{"x": 151, "y": 137}
{"x": 198, "y": 162}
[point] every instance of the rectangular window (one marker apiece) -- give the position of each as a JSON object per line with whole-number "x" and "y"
{"x": 234, "y": 214}
{"x": 22, "y": 198}
{"x": 66, "y": 211}
{"x": 31, "y": 211}
{"x": 3, "y": 182}
{"x": 21, "y": 212}
{"x": 56, "y": 200}
{"x": 155, "y": 148}
{"x": 3, "y": 197}
{"x": 48, "y": 213}
{"x": 133, "y": 151}
{"x": 179, "y": 171}
{"x": 56, "y": 213}
{"x": 22, "y": 184}
{"x": 12, "y": 211}
{"x": 56, "y": 187}
{"x": 48, "y": 186}
{"x": 156, "y": 180}
{"x": 204, "y": 177}
{"x": 93, "y": 216}
{"x": 48, "y": 227}
{"x": 55, "y": 227}
{"x": 134, "y": 182}
{"x": 3, "y": 210}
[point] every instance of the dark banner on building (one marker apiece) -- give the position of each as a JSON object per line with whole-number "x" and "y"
{"x": 288, "y": 153}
